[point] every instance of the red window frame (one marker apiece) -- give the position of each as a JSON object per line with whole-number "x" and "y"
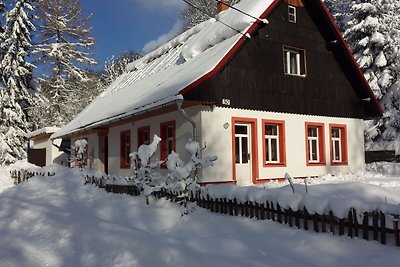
{"x": 125, "y": 149}
{"x": 343, "y": 144}
{"x": 281, "y": 143}
{"x": 141, "y": 134}
{"x": 321, "y": 144}
{"x": 165, "y": 138}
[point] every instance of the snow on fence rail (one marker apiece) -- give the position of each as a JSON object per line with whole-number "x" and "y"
{"x": 379, "y": 225}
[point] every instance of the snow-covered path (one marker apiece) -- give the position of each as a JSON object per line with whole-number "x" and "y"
{"x": 56, "y": 221}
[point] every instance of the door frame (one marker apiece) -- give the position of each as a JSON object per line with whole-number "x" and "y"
{"x": 254, "y": 146}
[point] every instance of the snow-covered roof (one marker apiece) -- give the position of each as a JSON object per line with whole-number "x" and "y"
{"x": 42, "y": 131}
{"x": 158, "y": 78}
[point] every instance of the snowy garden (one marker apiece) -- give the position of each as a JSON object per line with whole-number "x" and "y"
{"x": 57, "y": 220}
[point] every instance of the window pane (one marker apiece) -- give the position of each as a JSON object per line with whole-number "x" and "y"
{"x": 271, "y": 129}
{"x": 170, "y": 146}
{"x": 314, "y": 150}
{"x": 293, "y": 63}
{"x": 244, "y": 150}
{"x": 170, "y": 131}
{"x": 267, "y": 154}
{"x": 274, "y": 150}
{"x": 146, "y": 137}
{"x": 240, "y": 129}
{"x": 335, "y": 132}
{"x": 337, "y": 150}
{"x": 237, "y": 150}
{"x": 312, "y": 132}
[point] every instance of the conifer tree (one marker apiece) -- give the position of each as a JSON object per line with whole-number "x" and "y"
{"x": 200, "y": 10}
{"x": 372, "y": 30}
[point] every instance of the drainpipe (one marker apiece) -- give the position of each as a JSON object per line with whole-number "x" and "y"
{"x": 179, "y": 103}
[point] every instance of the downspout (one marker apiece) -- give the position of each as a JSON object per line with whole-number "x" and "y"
{"x": 179, "y": 103}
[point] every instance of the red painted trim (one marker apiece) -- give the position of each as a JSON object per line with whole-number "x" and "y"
{"x": 254, "y": 146}
{"x": 231, "y": 52}
{"x": 282, "y": 143}
{"x": 125, "y": 161}
{"x": 343, "y": 141}
{"x": 217, "y": 183}
{"x": 140, "y": 132}
{"x": 163, "y": 143}
{"x": 321, "y": 144}
{"x": 350, "y": 56}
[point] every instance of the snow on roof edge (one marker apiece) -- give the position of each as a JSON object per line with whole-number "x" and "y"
{"x": 42, "y": 131}
{"x": 158, "y": 104}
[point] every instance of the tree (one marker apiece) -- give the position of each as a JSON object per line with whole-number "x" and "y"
{"x": 17, "y": 72}
{"x": 199, "y": 11}
{"x": 115, "y": 66}
{"x": 12, "y": 129}
{"x": 65, "y": 40}
{"x": 372, "y": 31}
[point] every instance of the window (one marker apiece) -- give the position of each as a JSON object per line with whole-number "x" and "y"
{"x": 315, "y": 143}
{"x": 125, "y": 149}
{"x": 168, "y": 139}
{"x": 274, "y": 143}
{"x": 294, "y": 61}
{"x": 143, "y": 136}
{"x": 292, "y": 14}
{"x": 338, "y": 144}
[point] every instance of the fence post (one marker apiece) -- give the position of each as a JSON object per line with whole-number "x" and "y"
{"x": 315, "y": 222}
{"x": 383, "y": 228}
{"x": 331, "y": 223}
{"x": 305, "y": 218}
{"x": 355, "y": 222}
{"x": 323, "y": 223}
{"x": 375, "y": 219}
{"x": 290, "y": 217}
{"x": 262, "y": 211}
{"x": 268, "y": 211}
{"x": 365, "y": 226}
{"x": 350, "y": 223}
{"x": 396, "y": 230}
{"x": 279, "y": 213}
{"x": 341, "y": 227}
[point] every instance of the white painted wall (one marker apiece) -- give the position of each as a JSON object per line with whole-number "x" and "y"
{"x": 52, "y": 153}
{"x": 183, "y": 133}
{"x": 219, "y": 142}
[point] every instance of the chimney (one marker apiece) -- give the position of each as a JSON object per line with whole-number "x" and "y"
{"x": 222, "y": 5}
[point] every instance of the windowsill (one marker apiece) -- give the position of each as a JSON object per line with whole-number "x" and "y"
{"x": 296, "y": 75}
{"x": 345, "y": 163}
{"x": 268, "y": 165}
{"x": 316, "y": 163}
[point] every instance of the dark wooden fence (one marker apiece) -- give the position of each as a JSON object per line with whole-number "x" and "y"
{"x": 20, "y": 176}
{"x": 368, "y": 225}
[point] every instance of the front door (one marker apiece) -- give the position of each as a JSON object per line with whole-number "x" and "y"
{"x": 243, "y": 153}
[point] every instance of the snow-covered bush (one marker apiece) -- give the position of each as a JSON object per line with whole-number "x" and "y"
{"x": 80, "y": 149}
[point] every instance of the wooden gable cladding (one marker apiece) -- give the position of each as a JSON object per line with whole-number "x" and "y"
{"x": 254, "y": 78}
{"x": 296, "y": 3}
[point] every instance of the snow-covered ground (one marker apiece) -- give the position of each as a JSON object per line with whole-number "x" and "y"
{"x": 58, "y": 221}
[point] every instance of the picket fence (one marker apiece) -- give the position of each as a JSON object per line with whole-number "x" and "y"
{"x": 374, "y": 226}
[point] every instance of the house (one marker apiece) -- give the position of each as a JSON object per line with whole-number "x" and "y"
{"x": 268, "y": 86}
{"x": 42, "y": 151}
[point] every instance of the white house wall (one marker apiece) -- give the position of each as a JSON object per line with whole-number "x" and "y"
{"x": 183, "y": 133}
{"x": 219, "y": 142}
{"x": 52, "y": 152}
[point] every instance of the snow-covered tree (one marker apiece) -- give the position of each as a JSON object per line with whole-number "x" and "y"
{"x": 65, "y": 41}
{"x": 372, "y": 30}
{"x": 12, "y": 129}
{"x": 115, "y": 66}
{"x": 16, "y": 69}
{"x": 200, "y": 10}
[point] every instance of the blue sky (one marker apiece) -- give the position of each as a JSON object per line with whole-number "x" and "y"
{"x": 122, "y": 25}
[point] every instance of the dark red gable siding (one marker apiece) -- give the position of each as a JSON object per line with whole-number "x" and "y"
{"x": 254, "y": 76}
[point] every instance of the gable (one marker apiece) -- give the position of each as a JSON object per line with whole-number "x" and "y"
{"x": 255, "y": 79}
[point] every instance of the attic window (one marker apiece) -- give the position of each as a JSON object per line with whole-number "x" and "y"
{"x": 292, "y": 14}
{"x": 294, "y": 60}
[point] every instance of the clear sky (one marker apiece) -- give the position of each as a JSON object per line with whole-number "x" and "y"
{"x": 122, "y": 25}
